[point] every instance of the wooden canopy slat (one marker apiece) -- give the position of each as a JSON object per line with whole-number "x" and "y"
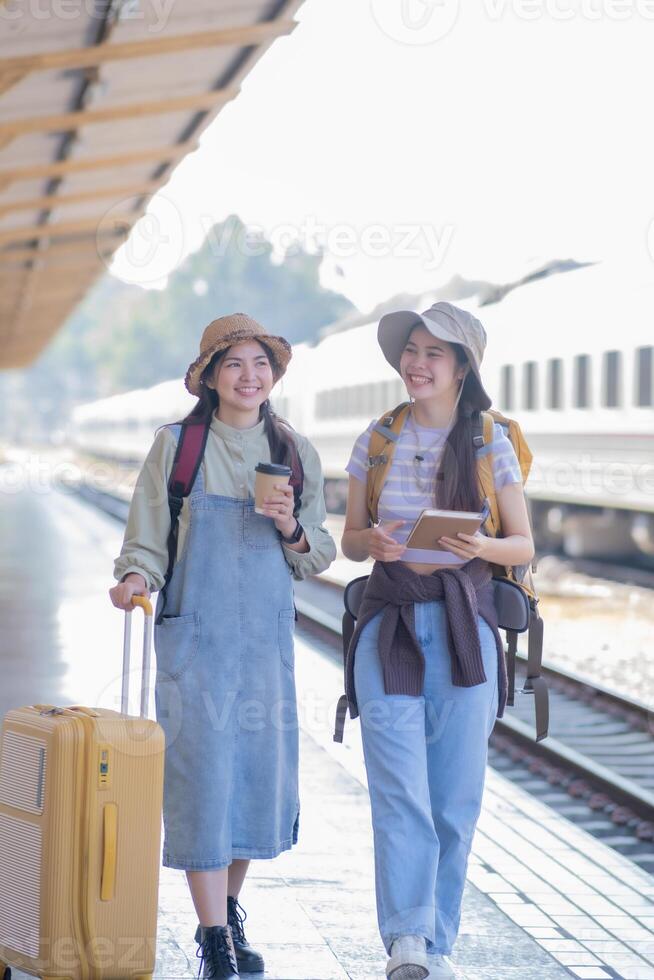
{"x": 58, "y": 265}
{"x": 50, "y": 282}
{"x": 61, "y": 168}
{"x": 67, "y": 228}
{"x": 80, "y": 247}
{"x": 49, "y": 201}
{"x": 245, "y": 36}
{"x": 45, "y": 301}
{"x": 62, "y": 122}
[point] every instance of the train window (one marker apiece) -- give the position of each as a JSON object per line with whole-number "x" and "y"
{"x": 582, "y": 381}
{"x": 506, "y": 386}
{"x": 530, "y": 385}
{"x": 328, "y": 405}
{"x": 555, "y": 383}
{"x": 644, "y": 380}
{"x": 612, "y": 378}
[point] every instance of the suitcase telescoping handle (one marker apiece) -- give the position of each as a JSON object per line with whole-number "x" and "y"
{"x": 146, "y": 605}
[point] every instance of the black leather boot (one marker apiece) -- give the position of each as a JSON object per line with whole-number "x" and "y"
{"x": 218, "y": 958}
{"x": 249, "y": 961}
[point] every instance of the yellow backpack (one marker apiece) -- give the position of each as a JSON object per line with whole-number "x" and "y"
{"x": 515, "y": 601}
{"x": 381, "y": 449}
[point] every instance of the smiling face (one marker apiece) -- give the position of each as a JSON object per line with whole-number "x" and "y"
{"x": 243, "y": 377}
{"x": 429, "y": 366}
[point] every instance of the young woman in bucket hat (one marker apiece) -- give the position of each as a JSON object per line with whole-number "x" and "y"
{"x": 425, "y": 663}
{"x": 225, "y": 690}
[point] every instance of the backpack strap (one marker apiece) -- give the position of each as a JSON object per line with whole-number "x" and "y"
{"x": 535, "y": 683}
{"x": 297, "y": 477}
{"x": 511, "y": 651}
{"x": 381, "y": 448}
{"x": 482, "y": 438}
{"x": 349, "y": 624}
{"x": 188, "y": 457}
{"x": 352, "y": 599}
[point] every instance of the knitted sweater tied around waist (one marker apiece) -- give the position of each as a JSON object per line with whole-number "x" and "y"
{"x": 392, "y": 589}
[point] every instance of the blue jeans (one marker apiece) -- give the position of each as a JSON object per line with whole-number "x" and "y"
{"x": 426, "y": 762}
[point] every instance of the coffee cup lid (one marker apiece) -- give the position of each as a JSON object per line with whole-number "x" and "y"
{"x": 274, "y": 469}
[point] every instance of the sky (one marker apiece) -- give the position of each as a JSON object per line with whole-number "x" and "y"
{"x": 416, "y": 139}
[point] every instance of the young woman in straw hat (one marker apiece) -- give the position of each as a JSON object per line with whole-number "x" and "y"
{"x": 429, "y": 684}
{"x": 225, "y": 690}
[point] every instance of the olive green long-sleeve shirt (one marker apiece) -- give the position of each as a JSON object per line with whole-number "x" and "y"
{"x": 228, "y": 469}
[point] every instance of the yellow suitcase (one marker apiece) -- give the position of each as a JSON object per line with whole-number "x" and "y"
{"x": 80, "y": 827}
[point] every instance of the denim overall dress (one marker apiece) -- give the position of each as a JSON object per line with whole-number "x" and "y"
{"x": 225, "y": 689}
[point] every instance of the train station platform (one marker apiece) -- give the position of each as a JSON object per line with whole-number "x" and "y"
{"x": 543, "y": 900}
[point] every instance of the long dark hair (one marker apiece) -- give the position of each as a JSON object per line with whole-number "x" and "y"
{"x": 456, "y": 485}
{"x": 279, "y": 432}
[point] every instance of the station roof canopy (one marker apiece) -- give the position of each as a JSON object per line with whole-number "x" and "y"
{"x": 99, "y": 100}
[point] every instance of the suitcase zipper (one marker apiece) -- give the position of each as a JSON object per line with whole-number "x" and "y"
{"x": 85, "y": 819}
{"x": 80, "y": 917}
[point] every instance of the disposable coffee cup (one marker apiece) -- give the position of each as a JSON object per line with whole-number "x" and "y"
{"x": 266, "y": 476}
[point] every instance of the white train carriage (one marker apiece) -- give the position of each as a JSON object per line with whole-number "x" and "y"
{"x": 122, "y": 427}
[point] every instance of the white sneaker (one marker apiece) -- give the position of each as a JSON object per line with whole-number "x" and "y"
{"x": 408, "y": 959}
{"x": 440, "y": 967}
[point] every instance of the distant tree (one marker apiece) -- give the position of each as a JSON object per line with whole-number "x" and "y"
{"x": 122, "y": 336}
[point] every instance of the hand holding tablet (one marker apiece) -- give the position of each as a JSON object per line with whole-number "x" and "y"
{"x": 432, "y": 525}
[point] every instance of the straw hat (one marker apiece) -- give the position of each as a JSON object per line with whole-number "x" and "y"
{"x": 233, "y": 329}
{"x": 445, "y": 321}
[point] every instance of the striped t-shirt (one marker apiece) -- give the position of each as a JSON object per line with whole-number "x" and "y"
{"x": 409, "y": 486}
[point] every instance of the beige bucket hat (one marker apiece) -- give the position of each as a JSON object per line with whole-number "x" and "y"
{"x": 445, "y": 321}
{"x": 233, "y": 329}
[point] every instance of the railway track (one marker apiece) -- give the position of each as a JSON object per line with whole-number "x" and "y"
{"x": 597, "y": 765}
